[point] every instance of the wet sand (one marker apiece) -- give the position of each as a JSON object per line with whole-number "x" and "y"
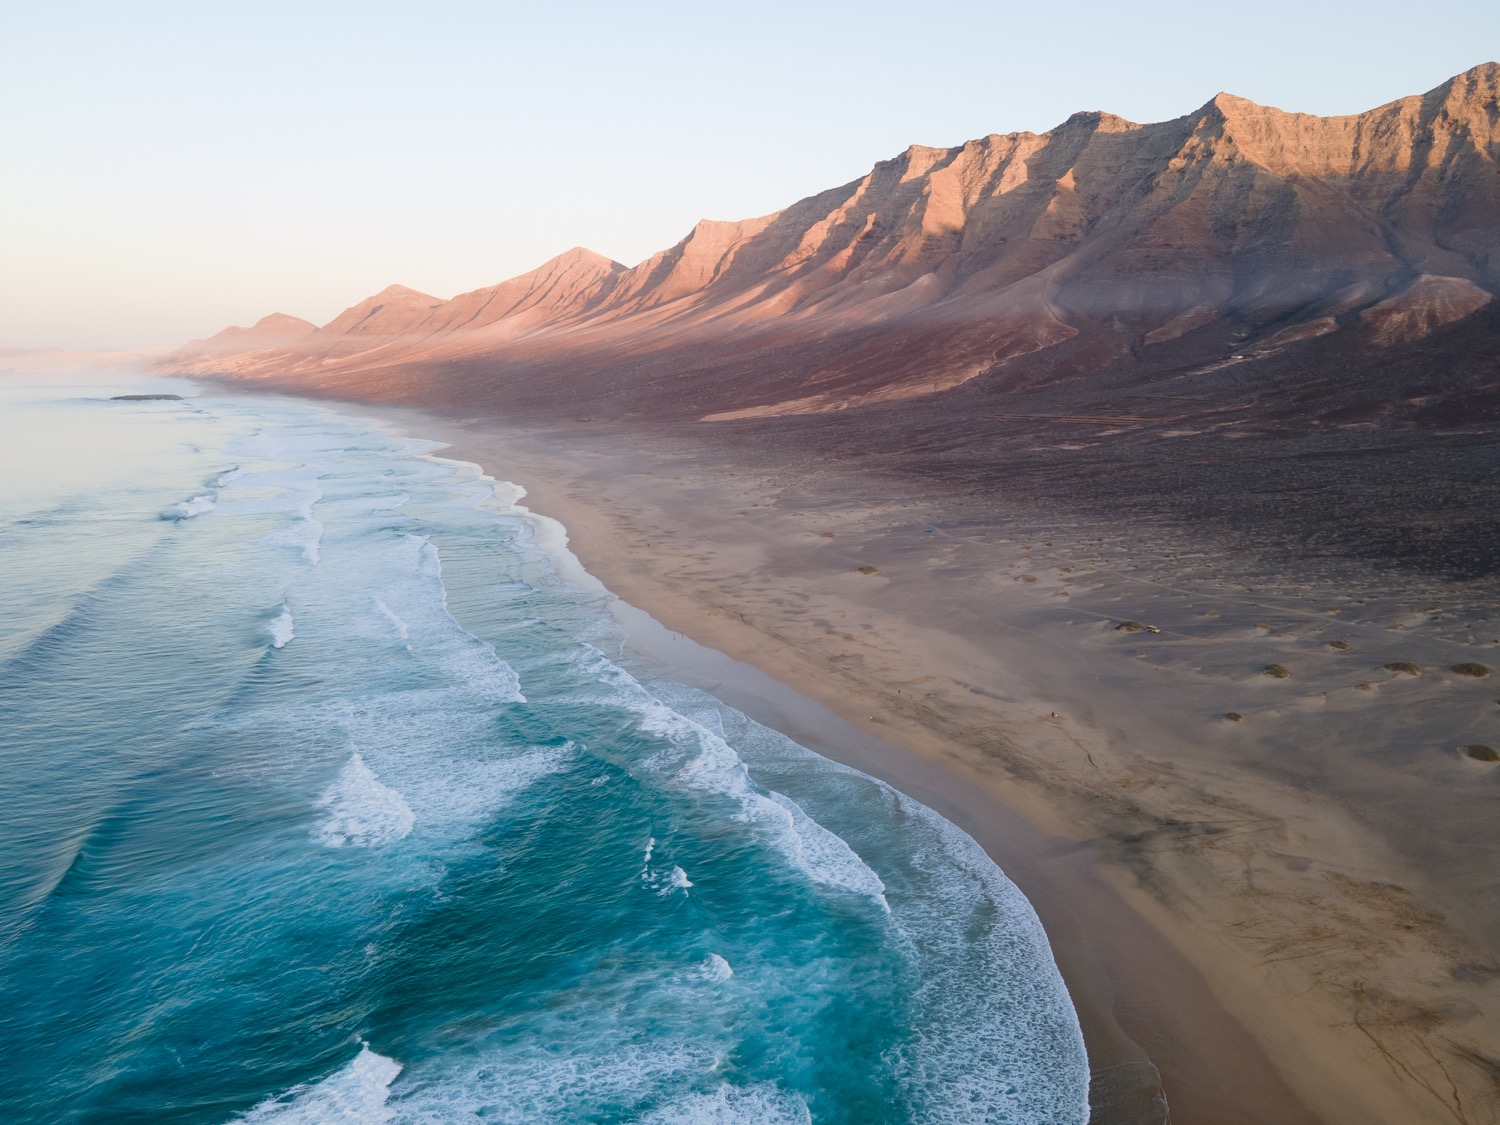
{"x": 1288, "y": 917}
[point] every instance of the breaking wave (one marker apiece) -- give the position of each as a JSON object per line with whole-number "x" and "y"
{"x": 361, "y": 812}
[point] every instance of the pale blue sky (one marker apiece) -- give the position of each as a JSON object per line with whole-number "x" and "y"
{"x": 173, "y": 167}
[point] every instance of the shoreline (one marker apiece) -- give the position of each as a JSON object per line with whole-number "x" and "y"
{"x": 1145, "y": 905}
{"x": 1060, "y": 879}
{"x": 1127, "y": 1080}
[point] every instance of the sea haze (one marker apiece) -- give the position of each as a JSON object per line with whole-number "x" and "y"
{"x": 329, "y": 800}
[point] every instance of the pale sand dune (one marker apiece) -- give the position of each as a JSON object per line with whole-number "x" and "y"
{"x": 1293, "y": 915}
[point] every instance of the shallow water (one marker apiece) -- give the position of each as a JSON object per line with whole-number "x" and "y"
{"x": 328, "y": 800}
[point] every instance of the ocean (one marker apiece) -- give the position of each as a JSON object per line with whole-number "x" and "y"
{"x": 329, "y": 797}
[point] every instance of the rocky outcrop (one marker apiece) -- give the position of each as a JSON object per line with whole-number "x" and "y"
{"x": 1422, "y": 308}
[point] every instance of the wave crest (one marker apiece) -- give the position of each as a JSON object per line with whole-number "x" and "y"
{"x": 355, "y": 1095}
{"x": 362, "y": 813}
{"x": 281, "y": 628}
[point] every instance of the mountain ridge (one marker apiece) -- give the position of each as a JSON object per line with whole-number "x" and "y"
{"x": 1112, "y": 237}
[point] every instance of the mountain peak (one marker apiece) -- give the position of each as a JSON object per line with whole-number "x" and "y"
{"x": 395, "y": 292}
{"x": 274, "y": 328}
{"x": 283, "y": 322}
{"x": 391, "y": 312}
{"x": 583, "y": 256}
{"x": 1098, "y": 121}
{"x": 1228, "y": 107}
{"x": 1227, "y": 103}
{"x": 1482, "y": 81}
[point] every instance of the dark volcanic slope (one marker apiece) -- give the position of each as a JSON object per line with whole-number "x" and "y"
{"x": 1107, "y": 303}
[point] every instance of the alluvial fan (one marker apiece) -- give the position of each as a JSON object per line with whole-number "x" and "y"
{"x": 329, "y": 800}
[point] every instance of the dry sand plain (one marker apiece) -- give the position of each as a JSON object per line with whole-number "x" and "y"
{"x": 1290, "y": 916}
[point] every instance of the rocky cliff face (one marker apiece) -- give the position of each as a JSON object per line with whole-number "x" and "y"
{"x": 1232, "y": 234}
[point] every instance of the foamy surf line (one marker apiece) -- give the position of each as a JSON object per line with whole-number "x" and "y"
{"x": 282, "y": 628}
{"x": 361, "y": 812}
{"x": 823, "y": 855}
{"x": 355, "y": 1095}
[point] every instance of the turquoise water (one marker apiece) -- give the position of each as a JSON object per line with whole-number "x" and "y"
{"x": 327, "y": 800}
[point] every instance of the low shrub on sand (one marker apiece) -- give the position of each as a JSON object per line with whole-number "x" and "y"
{"x": 1404, "y": 666}
{"x": 1469, "y": 668}
{"x": 1277, "y": 671}
{"x": 1340, "y": 645}
{"x": 1233, "y": 717}
{"x": 1482, "y": 753}
{"x": 869, "y": 570}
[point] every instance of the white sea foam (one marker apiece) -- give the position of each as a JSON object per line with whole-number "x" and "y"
{"x": 423, "y": 743}
{"x": 306, "y": 535}
{"x": 479, "y": 668}
{"x": 994, "y": 1035}
{"x": 695, "y": 757}
{"x": 280, "y": 628}
{"x": 197, "y": 506}
{"x": 503, "y": 779}
{"x": 714, "y": 969}
{"x": 561, "y": 1080}
{"x": 355, "y": 1095}
{"x": 734, "y": 1105}
{"x": 419, "y": 613}
{"x": 663, "y": 882}
{"x": 505, "y": 495}
{"x": 676, "y": 880}
{"x": 362, "y": 813}
{"x": 306, "y": 498}
{"x": 713, "y": 766}
{"x": 827, "y": 857}
{"x": 995, "y": 1031}
{"x": 260, "y": 488}
{"x": 403, "y": 631}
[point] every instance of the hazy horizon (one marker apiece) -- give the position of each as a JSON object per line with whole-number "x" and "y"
{"x": 174, "y": 169}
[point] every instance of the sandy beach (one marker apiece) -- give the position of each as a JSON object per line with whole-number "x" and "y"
{"x": 1261, "y": 846}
